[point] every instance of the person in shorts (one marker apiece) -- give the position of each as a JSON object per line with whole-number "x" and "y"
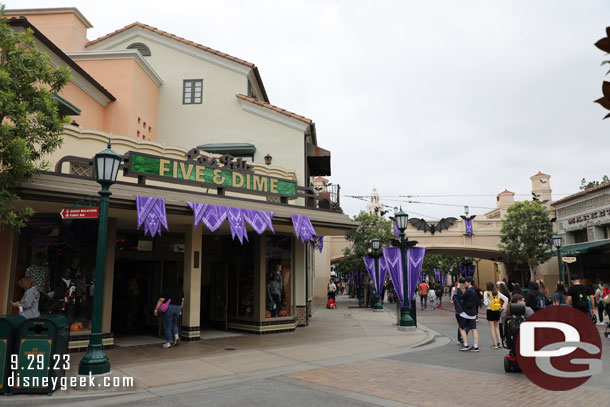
{"x": 469, "y": 302}
{"x": 494, "y": 302}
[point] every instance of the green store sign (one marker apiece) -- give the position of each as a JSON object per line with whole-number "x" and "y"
{"x": 225, "y": 172}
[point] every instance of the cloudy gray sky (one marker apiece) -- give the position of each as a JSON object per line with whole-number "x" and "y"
{"x": 423, "y": 98}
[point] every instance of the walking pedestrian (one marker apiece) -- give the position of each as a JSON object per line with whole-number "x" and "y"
{"x": 439, "y": 295}
{"x": 578, "y": 295}
{"x": 468, "y": 316}
{"x": 600, "y": 293}
{"x": 534, "y": 298}
{"x": 423, "y": 289}
{"x": 173, "y": 293}
{"x": 432, "y": 296}
{"x": 561, "y": 295}
{"x": 493, "y": 301}
{"x": 503, "y": 289}
{"x": 457, "y": 291}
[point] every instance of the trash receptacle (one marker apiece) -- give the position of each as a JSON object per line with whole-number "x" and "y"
{"x": 8, "y": 332}
{"x": 42, "y": 350}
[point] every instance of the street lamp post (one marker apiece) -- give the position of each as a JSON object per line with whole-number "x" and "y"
{"x": 557, "y": 242}
{"x": 95, "y": 361}
{"x": 376, "y": 254}
{"x": 408, "y": 316}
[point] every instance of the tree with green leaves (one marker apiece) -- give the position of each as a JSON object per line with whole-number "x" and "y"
{"x": 444, "y": 264}
{"x": 584, "y": 184}
{"x": 31, "y": 124}
{"x": 370, "y": 226}
{"x": 525, "y": 235}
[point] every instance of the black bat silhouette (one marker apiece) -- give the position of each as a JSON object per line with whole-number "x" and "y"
{"x": 468, "y": 217}
{"x": 442, "y": 224}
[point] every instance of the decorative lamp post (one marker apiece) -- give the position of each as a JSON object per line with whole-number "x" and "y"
{"x": 557, "y": 241}
{"x": 95, "y": 361}
{"x": 376, "y": 254}
{"x": 408, "y": 315}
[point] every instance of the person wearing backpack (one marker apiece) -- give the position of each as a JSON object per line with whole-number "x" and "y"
{"x": 534, "y": 298}
{"x": 578, "y": 296}
{"x": 493, "y": 300}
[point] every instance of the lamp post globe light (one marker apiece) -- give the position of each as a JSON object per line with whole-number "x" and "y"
{"x": 557, "y": 242}
{"x": 408, "y": 315}
{"x": 376, "y": 254}
{"x": 107, "y": 165}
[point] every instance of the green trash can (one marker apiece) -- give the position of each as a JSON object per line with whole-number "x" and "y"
{"x": 42, "y": 350}
{"x": 8, "y": 332}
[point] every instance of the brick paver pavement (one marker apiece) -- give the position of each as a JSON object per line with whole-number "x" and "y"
{"x": 437, "y": 386}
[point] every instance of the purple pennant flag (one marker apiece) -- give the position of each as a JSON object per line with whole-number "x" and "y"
{"x": 415, "y": 260}
{"x": 394, "y": 265}
{"x": 151, "y": 212}
{"x": 468, "y": 225}
{"x": 320, "y": 243}
{"x": 369, "y": 263}
{"x": 437, "y": 275}
{"x": 443, "y": 278}
{"x": 259, "y": 220}
{"x": 198, "y": 212}
{"x": 396, "y": 231}
{"x": 236, "y": 221}
{"x": 303, "y": 228}
{"x": 214, "y": 216}
{"x": 383, "y": 271}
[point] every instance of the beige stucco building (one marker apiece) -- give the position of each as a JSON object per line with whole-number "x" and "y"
{"x": 185, "y": 107}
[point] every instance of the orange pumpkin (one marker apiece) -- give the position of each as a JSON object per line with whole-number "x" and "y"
{"x": 76, "y": 326}
{"x": 283, "y": 313}
{"x": 267, "y": 314}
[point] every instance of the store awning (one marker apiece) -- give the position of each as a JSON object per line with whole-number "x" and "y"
{"x": 318, "y": 160}
{"x": 66, "y": 108}
{"x": 582, "y": 248}
{"x": 228, "y": 148}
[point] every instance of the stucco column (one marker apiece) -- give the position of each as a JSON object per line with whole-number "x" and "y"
{"x": 8, "y": 240}
{"x": 300, "y": 292}
{"x": 191, "y": 318}
{"x": 109, "y": 277}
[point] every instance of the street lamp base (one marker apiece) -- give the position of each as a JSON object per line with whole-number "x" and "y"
{"x": 405, "y": 318}
{"x": 377, "y": 307}
{"x": 95, "y": 362}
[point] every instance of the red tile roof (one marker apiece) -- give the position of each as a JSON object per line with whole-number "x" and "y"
{"x": 541, "y": 174}
{"x": 582, "y": 193}
{"x": 275, "y": 108}
{"x": 506, "y": 191}
{"x": 173, "y": 37}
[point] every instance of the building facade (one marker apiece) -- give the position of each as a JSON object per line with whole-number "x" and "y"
{"x": 194, "y": 126}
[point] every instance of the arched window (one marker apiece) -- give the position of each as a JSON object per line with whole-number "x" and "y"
{"x": 144, "y": 50}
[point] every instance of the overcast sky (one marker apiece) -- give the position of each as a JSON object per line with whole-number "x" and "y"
{"x": 452, "y": 97}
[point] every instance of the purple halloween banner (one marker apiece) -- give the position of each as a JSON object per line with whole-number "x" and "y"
{"x": 468, "y": 225}
{"x": 303, "y": 228}
{"x": 151, "y": 212}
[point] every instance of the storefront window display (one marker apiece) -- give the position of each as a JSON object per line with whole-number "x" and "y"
{"x": 278, "y": 277}
{"x": 59, "y": 256}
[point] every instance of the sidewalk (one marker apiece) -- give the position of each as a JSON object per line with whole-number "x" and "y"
{"x": 333, "y": 336}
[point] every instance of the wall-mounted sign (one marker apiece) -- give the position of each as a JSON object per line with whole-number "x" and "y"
{"x": 593, "y": 215}
{"x": 79, "y": 213}
{"x": 225, "y": 172}
{"x": 568, "y": 259}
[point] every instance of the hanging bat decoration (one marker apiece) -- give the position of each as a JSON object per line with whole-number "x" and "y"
{"x": 468, "y": 217}
{"x": 442, "y": 224}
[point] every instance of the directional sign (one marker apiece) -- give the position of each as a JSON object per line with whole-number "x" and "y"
{"x": 568, "y": 259}
{"x": 79, "y": 213}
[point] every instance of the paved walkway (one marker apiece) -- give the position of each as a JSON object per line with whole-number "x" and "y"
{"x": 334, "y": 336}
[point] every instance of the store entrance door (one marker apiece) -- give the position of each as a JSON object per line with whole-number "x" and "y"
{"x": 215, "y": 315}
{"x": 136, "y": 289}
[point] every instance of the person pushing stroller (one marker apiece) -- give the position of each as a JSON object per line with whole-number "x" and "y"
{"x": 332, "y": 291}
